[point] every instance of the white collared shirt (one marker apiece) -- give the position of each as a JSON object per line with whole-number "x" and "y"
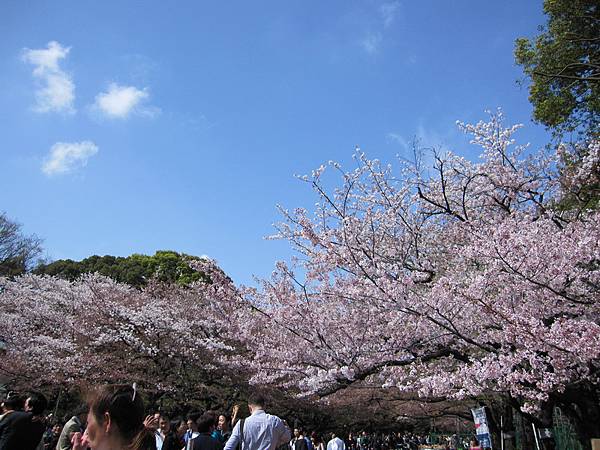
{"x": 336, "y": 444}
{"x": 262, "y": 431}
{"x": 159, "y": 439}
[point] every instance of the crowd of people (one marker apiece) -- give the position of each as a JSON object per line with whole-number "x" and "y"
{"x": 409, "y": 441}
{"x": 114, "y": 418}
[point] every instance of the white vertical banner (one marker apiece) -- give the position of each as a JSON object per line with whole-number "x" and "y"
{"x": 481, "y": 427}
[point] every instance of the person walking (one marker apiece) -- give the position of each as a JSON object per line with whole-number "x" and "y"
{"x": 260, "y": 431}
{"x": 335, "y": 443}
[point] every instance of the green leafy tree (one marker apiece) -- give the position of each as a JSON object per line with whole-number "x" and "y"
{"x": 563, "y": 65}
{"x": 135, "y": 270}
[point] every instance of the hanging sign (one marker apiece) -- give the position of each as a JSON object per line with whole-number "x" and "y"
{"x": 481, "y": 427}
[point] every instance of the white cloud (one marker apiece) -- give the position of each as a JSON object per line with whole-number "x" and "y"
{"x": 119, "y": 102}
{"x": 55, "y": 90}
{"x": 371, "y": 42}
{"x": 388, "y": 13}
{"x": 66, "y": 157}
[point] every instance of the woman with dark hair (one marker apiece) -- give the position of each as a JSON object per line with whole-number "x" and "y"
{"x": 317, "y": 441}
{"x": 223, "y": 428}
{"x": 115, "y": 421}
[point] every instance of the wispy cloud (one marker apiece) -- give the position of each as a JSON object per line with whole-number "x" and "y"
{"x": 419, "y": 148}
{"x": 388, "y": 13}
{"x": 422, "y": 145}
{"x": 371, "y": 42}
{"x": 423, "y": 138}
{"x": 55, "y": 88}
{"x": 381, "y": 20}
{"x": 430, "y": 138}
{"x": 66, "y": 157}
{"x": 119, "y": 102}
{"x": 398, "y": 139}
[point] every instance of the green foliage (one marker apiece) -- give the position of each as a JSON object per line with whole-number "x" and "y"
{"x": 563, "y": 64}
{"x": 135, "y": 270}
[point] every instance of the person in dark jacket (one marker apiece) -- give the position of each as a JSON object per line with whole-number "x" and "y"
{"x": 23, "y": 430}
{"x": 10, "y": 421}
{"x": 204, "y": 441}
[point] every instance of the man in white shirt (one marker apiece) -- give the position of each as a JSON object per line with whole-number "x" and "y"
{"x": 335, "y": 443}
{"x": 260, "y": 431}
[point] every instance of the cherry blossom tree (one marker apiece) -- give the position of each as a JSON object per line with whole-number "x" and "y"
{"x": 464, "y": 279}
{"x": 172, "y": 340}
{"x": 447, "y": 282}
{"x": 94, "y": 330}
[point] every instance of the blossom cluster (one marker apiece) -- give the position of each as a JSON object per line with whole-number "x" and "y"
{"x": 456, "y": 282}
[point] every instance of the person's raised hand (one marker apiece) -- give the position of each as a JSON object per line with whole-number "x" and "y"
{"x": 151, "y": 422}
{"x": 79, "y": 441}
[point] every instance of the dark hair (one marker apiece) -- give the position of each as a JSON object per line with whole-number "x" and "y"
{"x": 227, "y": 422}
{"x": 256, "y": 399}
{"x": 193, "y": 416}
{"x": 126, "y": 409}
{"x": 37, "y": 402}
{"x": 214, "y": 414}
{"x": 206, "y": 422}
{"x": 14, "y": 402}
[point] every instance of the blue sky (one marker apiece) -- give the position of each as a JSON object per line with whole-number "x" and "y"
{"x": 130, "y": 127}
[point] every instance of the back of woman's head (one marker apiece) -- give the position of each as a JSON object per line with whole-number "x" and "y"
{"x": 125, "y": 408}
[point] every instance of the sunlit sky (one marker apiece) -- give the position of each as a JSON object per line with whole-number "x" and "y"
{"x": 130, "y": 127}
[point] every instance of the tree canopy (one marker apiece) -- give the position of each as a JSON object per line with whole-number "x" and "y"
{"x": 459, "y": 283}
{"x": 454, "y": 284}
{"x": 135, "y": 270}
{"x": 563, "y": 65}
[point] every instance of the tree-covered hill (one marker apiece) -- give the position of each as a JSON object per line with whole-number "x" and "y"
{"x": 135, "y": 270}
